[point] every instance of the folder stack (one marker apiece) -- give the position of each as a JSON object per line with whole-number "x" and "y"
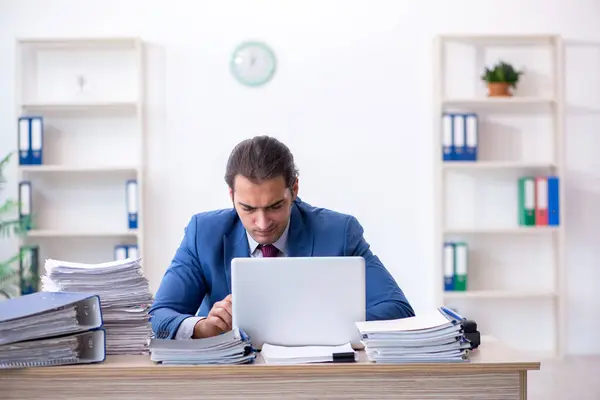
{"x": 437, "y": 336}
{"x": 44, "y": 329}
{"x": 124, "y": 297}
{"x": 231, "y": 347}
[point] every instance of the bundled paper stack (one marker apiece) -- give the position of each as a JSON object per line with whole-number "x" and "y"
{"x": 231, "y": 347}
{"x": 434, "y": 337}
{"x": 124, "y": 297}
{"x": 273, "y": 354}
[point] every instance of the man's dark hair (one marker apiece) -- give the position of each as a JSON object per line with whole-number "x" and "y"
{"x": 261, "y": 158}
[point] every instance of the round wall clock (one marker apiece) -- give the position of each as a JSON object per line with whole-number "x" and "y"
{"x": 253, "y": 63}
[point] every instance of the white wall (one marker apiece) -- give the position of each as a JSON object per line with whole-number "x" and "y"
{"x": 352, "y": 98}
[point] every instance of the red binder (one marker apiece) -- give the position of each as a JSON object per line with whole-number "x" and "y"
{"x": 541, "y": 201}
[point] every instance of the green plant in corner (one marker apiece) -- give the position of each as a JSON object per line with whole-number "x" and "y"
{"x": 500, "y": 78}
{"x": 10, "y": 224}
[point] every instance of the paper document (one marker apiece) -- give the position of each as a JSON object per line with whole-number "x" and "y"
{"x": 437, "y": 336}
{"x": 432, "y": 321}
{"x": 231, "y": 347}
{"x": 124, "y": 295}
{"x": 307, "y": 354}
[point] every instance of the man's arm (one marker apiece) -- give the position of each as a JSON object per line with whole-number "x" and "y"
{"x": 181, "y": 291}
{"x": 385, "y": 299}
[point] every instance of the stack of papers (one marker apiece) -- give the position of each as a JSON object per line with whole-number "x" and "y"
{"x": 124, "y": 297}
{"x": 307, "y": 354}
{"x": 432, "y": 337}
{"x": 231, "y": 347}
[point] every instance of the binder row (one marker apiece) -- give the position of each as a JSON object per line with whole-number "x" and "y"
{"x": 26, "y": 203}
{"x": 31, "y": 140}
{"x": 460, "y": 136}
{"x": 539, "y": 201}
{"x": 456, "y": 262}
{"x": 125, "y": 251}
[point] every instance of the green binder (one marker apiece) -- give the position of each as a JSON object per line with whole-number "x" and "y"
{"x": 461, "y": 266}
{"x": 526, "y": 201}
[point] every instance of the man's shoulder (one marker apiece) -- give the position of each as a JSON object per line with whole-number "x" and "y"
{"x": 322, "y": 217}
{"x": 216, "y": 222}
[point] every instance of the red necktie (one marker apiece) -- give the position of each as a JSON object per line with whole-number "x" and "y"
{"x": 268, "y": 250}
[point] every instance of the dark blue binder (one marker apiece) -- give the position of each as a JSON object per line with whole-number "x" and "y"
{"x": 553, "y": 201}
{"x": 46, "y": 314}
{"x": 132, "y": 251}
{"x": 447, "y": 137}
{"x": 448, "y": 262}
{"x": 24, "y": 138}
{"x": 25, "y": 204}
{"x": 459, "y": 137}
{"x": 132, "y": 203}
{"x": 471, "y": 130}
{"x": 36, "y": 131}
{"x": 29, "y": 276}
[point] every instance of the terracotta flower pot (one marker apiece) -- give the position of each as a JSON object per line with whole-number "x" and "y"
{"x": 498, "y": 89}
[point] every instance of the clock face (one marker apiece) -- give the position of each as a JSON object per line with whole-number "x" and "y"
{"x": 253, "y": 63}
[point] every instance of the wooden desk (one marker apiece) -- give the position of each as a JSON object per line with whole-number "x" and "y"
{"x": 494, "y": 372}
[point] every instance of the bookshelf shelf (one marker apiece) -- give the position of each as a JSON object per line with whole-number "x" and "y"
{"x": 80, "y": 234}
{"x": 70, "y": 107}
{"x": 479, "y": 221}
{"x": 493, "y": 165}
{"x": 89, "y": 94}
{"x": 501, "y": 40}
{"x": 76, "y": 43}
{"x": 78, "y": 169}
{"x": 533, "y": 230}
{"x": 497, "y": 101}
{"x": 500, "y": 294}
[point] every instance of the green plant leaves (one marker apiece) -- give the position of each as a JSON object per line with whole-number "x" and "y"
{"x": 502, "y": 72}
{"x": 11, "y": 224}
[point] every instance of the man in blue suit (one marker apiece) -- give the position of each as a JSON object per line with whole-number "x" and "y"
{"x": 267, "y": 220}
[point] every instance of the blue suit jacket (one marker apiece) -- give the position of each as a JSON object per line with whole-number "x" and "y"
{"x": 201, "y": 268}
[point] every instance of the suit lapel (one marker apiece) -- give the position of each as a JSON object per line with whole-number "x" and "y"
{"x": 235, "y": 246}
{"x": 300, "y": 236}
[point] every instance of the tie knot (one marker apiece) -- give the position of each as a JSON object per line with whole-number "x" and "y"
{"x": 268, "y": 250}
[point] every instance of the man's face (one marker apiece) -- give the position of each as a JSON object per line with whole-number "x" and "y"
{"x": 264, "y": 208}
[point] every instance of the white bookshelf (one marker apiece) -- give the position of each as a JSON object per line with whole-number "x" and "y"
{"x": 516, "y": 275}
{"x": 90, "y": 93}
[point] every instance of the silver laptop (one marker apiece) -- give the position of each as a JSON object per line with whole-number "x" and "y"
{"x": 299, "y": 301}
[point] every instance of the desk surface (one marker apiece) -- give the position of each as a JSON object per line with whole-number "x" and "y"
{"x": 493, "y": 356}
{"x": 494, "y": 372}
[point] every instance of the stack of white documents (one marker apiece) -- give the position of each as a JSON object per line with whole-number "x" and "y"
{"x": 124, "y": 297}
{"x": 433, "y": 337}
{"x": 231, "y": 347}
{"x": 307, "y": 354}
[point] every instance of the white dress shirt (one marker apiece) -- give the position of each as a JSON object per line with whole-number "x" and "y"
{"x": 186, "y": 328}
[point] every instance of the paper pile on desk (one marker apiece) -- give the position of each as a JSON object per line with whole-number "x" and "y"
{"x": 124, "y": 296}
{"x": 231, "y": 347}
{"x": 432, "y": 337}
{"x": 273, "y": 354}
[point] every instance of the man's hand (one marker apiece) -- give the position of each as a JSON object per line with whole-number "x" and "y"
{"x": 217, "y": 321}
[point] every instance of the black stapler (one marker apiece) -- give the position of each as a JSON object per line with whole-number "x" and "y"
{"x": 471, "y": 332}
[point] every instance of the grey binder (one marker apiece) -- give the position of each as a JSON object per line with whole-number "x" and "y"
{"x": 46, "y": 314}
{"x": 79, "y": 348}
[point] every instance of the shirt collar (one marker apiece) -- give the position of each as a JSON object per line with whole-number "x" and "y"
{"x": 281, "y": 243}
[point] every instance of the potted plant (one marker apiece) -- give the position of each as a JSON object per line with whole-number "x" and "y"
{"x": 500, "y": 79}
{"x": 11, "y": 224}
